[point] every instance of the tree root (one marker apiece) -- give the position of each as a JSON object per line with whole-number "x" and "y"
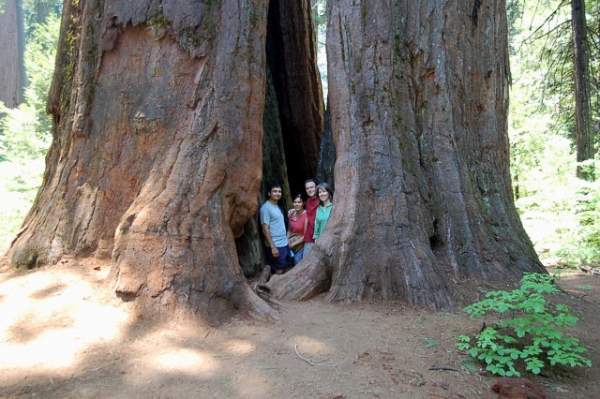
{"x": 303, "y": 282}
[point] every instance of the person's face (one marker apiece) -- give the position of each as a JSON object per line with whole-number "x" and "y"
{"x": 311, "y": 189}
{"x": 275, "y": 194}
{"x": 323, "y": 194}
{"x": 298, "y": 204}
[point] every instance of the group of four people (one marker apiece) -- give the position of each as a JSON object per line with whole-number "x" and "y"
{"x": 306, "y": 223}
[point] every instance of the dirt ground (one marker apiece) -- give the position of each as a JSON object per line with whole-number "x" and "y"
{"x": 61, "y": 336}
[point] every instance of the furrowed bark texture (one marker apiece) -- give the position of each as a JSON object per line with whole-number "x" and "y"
{"x": 418, "y": 93}
{"x": 156, "y": 159}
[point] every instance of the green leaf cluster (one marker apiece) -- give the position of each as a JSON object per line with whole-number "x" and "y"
{"x": 25, "y": 131}
{"x": 532, "y": 334}
{"x": 586, "y": 216}
{"x": 541, "y": 130}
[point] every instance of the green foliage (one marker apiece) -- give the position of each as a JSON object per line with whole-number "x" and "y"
{"x": 39, "y": 62}
{"x": 22, "y": 149}
{"x": 542, "y": 44}
{"x": 22, "y": 135}
{"x": 25, "y": 131}
{"x": 532, "y": 334}
{"x": 558, "y": 211}
{"x": 37, "y": 11}
{"x": 319, "y": 15}
{"x": 585, "y": 247}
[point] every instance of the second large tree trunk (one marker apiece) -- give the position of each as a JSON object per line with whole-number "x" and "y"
{"x": 419, "y": 94}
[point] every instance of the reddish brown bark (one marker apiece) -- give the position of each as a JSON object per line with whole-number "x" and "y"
{"x": 419, "y": 94}
{"x": 157, "y": 153}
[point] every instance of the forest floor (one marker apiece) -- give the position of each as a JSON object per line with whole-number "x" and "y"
{"x": 62, "y": 336}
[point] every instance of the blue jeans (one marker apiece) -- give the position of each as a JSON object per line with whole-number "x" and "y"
{"x": 308, "y": 246}
{"x": 298, "y": 256}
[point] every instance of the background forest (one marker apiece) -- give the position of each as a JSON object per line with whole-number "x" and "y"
{"x": 560, "y": 211}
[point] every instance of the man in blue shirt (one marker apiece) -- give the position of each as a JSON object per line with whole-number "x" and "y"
{"x": 273, "y": 228}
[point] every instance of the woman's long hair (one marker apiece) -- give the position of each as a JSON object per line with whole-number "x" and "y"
{"x": 326, "y": 187}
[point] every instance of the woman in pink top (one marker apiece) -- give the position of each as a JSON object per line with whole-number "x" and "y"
{"x": 298, "y": 222}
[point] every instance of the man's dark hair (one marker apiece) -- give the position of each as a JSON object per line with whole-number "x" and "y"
{"x": 274, "y": 185}
{"x": 310, "y": 181}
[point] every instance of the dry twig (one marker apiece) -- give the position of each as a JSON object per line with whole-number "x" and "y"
{"x": 448, "y": 368}
{"x": 314, "y": 363}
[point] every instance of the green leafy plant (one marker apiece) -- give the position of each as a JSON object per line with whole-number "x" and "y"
{"x": 532, "y": 334}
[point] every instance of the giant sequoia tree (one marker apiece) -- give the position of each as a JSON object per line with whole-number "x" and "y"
{"x": 156, "y": 159}
{"x": 419, "y": 95}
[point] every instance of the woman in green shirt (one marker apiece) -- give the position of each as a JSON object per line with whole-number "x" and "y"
{"x": 325, "y": 195}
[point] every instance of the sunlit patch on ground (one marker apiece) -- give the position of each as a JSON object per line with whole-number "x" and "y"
{"x": 238, "y": 347}
{"x": 182, "y": 360}
{"x": 183, "y": 356}
{"x": 310, "y": 346}
{"x": 47, "y": 324}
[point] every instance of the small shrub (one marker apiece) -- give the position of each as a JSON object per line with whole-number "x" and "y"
{"x": 532, "y": 334}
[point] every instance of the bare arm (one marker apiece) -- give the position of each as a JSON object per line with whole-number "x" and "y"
{"x": 305, "y": 226}
{"x": 267, "y": 234}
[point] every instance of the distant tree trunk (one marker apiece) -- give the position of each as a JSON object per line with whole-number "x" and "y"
{"x": 12, "y": 45}
{"x": 156, "y": 159}
{"x": 423, "y": 202}
{"x": 583, "y": 124}
{"x": 21, "y": 46}
{"x": 42, "y": 10}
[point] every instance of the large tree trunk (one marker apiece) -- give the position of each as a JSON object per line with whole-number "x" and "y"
{"x": 157, "y": 151}
{"x": 419, "y": 94}
{"x": 12, "y": 45}
{"x": 583, "y": 120}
